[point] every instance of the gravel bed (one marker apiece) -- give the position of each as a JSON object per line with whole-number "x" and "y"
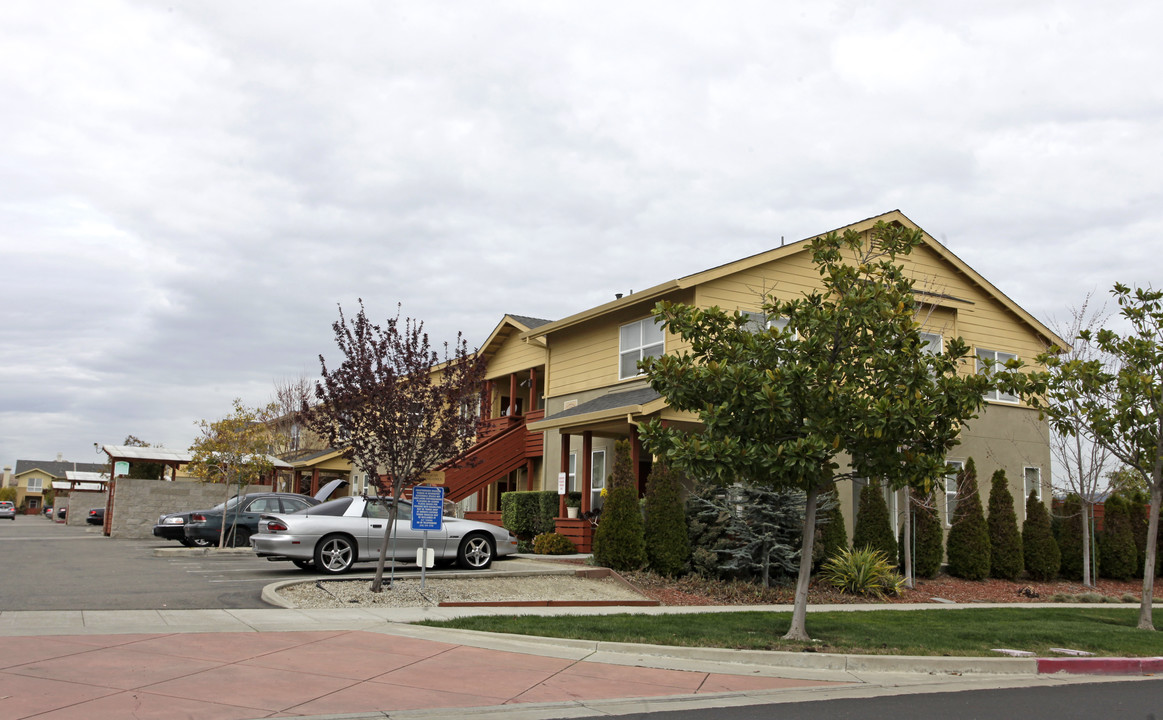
{"x": 406, "y": 592}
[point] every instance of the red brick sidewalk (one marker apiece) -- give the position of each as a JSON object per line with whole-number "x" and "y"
{"x": 287, "y": 674}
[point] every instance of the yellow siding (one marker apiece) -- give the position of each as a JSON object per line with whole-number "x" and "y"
{"x": 586, "y": 356}
{"x": 515, "y": 355}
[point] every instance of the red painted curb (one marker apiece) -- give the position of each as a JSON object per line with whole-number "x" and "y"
{"x": 1101, "y": 666}
{"x": 556, "y": 603}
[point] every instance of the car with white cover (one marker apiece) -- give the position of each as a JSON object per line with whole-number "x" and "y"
{"x": 334, "y": 536}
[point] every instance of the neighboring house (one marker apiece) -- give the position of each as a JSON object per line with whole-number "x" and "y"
{"x": 33, "y": 477}
{"x": 559, "y": 394}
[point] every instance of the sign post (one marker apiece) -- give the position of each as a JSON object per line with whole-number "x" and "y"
{"x": 427, "y": 514}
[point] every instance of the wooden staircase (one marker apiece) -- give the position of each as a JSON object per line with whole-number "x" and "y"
{"x": 506, "y": 445}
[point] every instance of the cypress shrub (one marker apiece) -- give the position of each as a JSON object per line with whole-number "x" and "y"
{"x": 1119, "y": 555}
{"x": 1070, "y": 538}
{"x": 1039, "y": 548}
{"x": 1138, "y": 512}
{"x": 1005, "y": 543}
{"x": 831, "y": 535}
{"x": 619, "y": 542}
{"x": 968, "y": 543}
{"x": 873, "y": 525}
{"x": 930, "y": 537}
{"x": 668, "y": 547}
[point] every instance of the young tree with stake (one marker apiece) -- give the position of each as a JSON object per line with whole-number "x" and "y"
{"x": 395, "y": 405}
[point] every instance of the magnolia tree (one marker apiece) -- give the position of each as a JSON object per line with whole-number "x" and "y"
{"x": 842, "y": 387}
{"x": 395, "y": 405}
{"x": 235, "y": 451}
{"x": 1117, "y": 403}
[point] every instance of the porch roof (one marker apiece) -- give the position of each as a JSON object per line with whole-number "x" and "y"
{"x": 612, "y": 406}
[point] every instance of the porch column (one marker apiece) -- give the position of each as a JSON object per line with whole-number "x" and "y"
{"x": 487, "y": 401}
{"x": 512, "y": 395}
{"x": 314, "y": 481}
{"x": 532, "y": 391}
{"x": 586, "y": 468}
{"x": 636, "y": 459}
{"x": 296, "y": 480}
{"x": 564, "y": 468}
{"x": 529, "y": 474}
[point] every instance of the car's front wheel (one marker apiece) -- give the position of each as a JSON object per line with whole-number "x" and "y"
{"x": 475, "y": 553}
{"x": 335, "y": 554}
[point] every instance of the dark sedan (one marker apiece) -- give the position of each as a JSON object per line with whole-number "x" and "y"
{"x": 172, "y": 526}
{"x": 204, "y": 527}
{"x": 96, "y": 516}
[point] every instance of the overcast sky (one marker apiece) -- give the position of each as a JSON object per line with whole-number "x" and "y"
{"x": 188, "y": 192}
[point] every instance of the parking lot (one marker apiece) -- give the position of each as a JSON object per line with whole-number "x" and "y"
{"x": 46, "y": 565}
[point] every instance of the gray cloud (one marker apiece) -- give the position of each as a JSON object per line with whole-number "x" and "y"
{"x": 187, "y": 192}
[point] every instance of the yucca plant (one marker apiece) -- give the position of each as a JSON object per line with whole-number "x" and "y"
{"x": 863, "y": 571}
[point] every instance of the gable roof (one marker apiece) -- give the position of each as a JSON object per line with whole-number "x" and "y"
{"x": 57, "y": 468}
{"x": 509, "y": 325}
{"x": 783, "y": 251}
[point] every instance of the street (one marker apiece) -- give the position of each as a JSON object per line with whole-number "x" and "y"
{"x": 1135, "y": 700}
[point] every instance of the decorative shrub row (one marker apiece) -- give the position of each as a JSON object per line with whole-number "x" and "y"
{"x": 529, "y": 514}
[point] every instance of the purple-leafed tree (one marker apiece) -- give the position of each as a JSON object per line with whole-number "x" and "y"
{"x": 395, "y": 405}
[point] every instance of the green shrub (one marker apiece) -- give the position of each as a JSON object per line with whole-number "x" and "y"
{"x": 619, "y": 541}
{"x": 831, "y": 535}
{"x": 668, "y": 548}
{"x": 1039, "y": 548}
{"x": 1070, "y": 538}
{"x": 873, "y": 525}
{"x": 863, "y": 571}
{"x": 553, "y": 544}
{"x": 968, "y": 543}
{"x": 528, "y": 514}
{"x": 1119, "y": 555}
{"x": 1005, "y": 543}
{"x": 930, "y": 537}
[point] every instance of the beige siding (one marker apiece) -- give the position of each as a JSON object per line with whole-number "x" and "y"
{"x": 515, "y": 355}
{"x": 585, "y": 357}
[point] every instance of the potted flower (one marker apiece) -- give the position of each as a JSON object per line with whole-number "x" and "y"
{"x": 572, "y": 505}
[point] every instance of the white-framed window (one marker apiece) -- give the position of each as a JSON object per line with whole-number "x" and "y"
{"x": 571, "y": 476}
{"x": 1033, "y": 477}
{"x": 638, "y": 341}
{"x": 984, "y": 358}
{"x": 932, "y": 343}
{"x": 35, "y": 484}
{"x": 955, "y": 467}
{"x": 597, "y": 476}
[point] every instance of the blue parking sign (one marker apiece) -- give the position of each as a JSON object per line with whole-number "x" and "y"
{"x": 427, "y": 507}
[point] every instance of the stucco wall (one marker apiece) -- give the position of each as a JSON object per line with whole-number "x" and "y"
{"x": 138, "y": 503}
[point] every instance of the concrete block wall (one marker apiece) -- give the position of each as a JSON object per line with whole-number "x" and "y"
{"x": 78, "y": 502}
{"x": 138, "y": 503}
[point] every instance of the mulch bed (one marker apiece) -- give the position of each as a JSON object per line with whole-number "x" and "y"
{"x": 697, "y": 591}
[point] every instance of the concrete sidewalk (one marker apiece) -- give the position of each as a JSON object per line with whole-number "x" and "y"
{"x": 366, "y": 663}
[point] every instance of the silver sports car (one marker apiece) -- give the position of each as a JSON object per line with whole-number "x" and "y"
{"x": 333, "y": 536}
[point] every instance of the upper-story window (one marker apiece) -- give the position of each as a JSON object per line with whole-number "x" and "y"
{"x": 984, "y": 358}
{"x": 932, "y": 343}
{"x": 638, "y": 341}
{"x": 35, "y": 484}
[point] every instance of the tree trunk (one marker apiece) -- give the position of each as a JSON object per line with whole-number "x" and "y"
{"x": 908, "y": 548}
{"x": 1145, "y": 620}
{"x": 1087, "y": 512}
{"x": 222, "y": 530}
{"x": 378, "y": 582}
{"x": 799, "y": 627}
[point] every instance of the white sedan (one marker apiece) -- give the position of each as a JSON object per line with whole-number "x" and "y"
{"x": 333, "y": 536}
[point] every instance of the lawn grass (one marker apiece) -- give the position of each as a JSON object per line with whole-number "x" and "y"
{"x": 968, "y": 632}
